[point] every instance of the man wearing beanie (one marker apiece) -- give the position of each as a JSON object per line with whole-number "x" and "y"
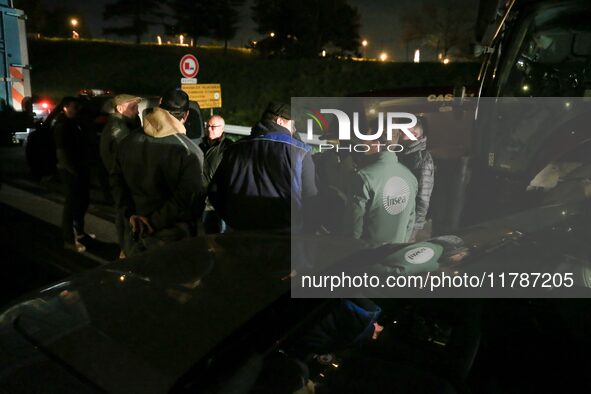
{"x": 265, "y": 181}
{"x": 157, "y": 178}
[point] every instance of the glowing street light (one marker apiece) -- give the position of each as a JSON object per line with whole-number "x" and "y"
{"x": 74, "y": 23}
{"x": 446, "y": 60}
{"x": 323, "y": 53}
{"x": 383, "y": 56}
{"x": 159, "y": 40}
{"x": 181, "y": 39}
{"x": 364, "y": 43}
{"x": 417, "y": 58}
{"x": 272, "y": 34}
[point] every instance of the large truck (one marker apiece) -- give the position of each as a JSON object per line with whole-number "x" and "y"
{"x": 523, "y": 127}
{"x": 531, "y": 132}
{"x": 14, "y": 57}
{"x": 15, "y": 86}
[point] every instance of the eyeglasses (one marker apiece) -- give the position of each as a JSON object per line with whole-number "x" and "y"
{"x": 214, "y": 125}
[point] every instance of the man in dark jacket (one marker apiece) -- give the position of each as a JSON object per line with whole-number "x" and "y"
{"x": 213, "y": 146}
{"x": 72, "y": 166}
{"x": 121, "y": 121}
{"x": 157, "y": 178}
{"x": 265, "y": 181}
{"x": 419, "y": 161}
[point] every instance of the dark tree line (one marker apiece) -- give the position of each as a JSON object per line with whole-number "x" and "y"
{"x": 51, "y": 23}
{"x": 443, "y": 29}
{"x": 306, "y": 27}
{"x": 217, "y": 19}
{"x": 138, "y": 16}
{"x": 300, "y": 28}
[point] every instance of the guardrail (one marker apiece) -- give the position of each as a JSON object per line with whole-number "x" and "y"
{"x": 244, "y": 131}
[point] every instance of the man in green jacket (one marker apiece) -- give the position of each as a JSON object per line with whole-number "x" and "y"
{"x": 381, "y": 197}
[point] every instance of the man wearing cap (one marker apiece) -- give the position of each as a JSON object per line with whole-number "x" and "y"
{"x": 265, "y": 181}
{"x": 157, "y": 178}
{"x": 124, "y": 118}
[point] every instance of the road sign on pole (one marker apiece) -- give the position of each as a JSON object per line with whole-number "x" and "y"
{"x": 208, "y": 95}
{"x": 189, "y": 66}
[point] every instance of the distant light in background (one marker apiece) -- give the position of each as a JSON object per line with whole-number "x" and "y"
{"x": 323, "y": 53}
{"x": 525, "y": 88}
{"x": 383, "y": 56}
{"x": 272, "y": 34}
{"x": 159, "y": 40}
{"x": 446, "y": 60}
{"x": 181, "y": 39}
{"x": 74, "y": 23}
{"x": 440, "y": 56}
{"x": 417, "y": 58}
{"x": 364, "y": 45}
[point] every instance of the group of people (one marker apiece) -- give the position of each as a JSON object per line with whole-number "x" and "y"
{"x": 166, "y": 185}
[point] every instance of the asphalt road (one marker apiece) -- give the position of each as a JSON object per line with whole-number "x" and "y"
{"x": 30, "y": 236}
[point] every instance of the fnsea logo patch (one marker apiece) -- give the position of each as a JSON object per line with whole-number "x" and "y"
{"x": 396, "y": 195}
{"x": 419, "y": 255}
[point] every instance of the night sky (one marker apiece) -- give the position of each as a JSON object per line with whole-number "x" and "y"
{"x": 381, "y": 22}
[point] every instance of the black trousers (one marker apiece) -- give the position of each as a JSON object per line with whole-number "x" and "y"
{"x": 76, "y": 204}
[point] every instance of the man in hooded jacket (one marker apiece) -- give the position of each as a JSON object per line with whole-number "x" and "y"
{"x": 417, "y": 158}
{"x": 267, "y": 180}
{"x": 157, "y": 178}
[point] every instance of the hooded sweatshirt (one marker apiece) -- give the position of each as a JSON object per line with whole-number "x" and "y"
{"x": 158, "y": 173}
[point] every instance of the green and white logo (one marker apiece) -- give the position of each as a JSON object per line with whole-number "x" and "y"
{"x": 396, "y": 195}
{"x": 419, "y": 255}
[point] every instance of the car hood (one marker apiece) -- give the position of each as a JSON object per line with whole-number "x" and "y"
{"x": 138, "y": 324}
